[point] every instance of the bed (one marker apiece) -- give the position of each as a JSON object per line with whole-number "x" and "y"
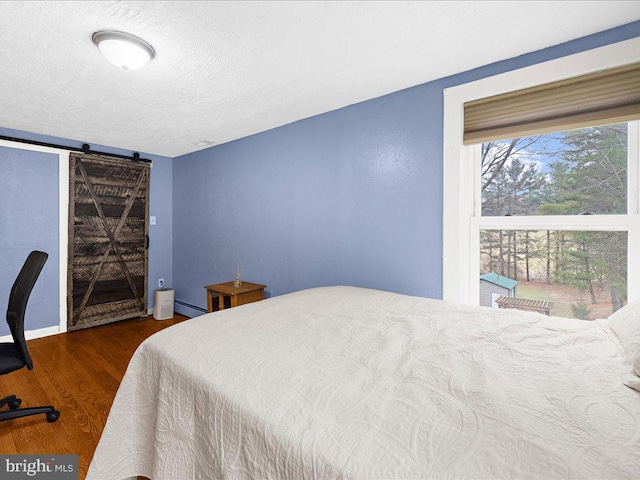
{"x": 345, "y": 382}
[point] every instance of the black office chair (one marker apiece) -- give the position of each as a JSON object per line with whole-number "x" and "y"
{"x": 14, "y": 356}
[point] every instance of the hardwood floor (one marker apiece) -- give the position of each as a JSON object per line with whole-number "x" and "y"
{"x": 78, "y": 373}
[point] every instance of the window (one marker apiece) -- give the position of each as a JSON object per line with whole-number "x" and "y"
{"x": 557, "y": 212}
{"x": 583, "y": 172}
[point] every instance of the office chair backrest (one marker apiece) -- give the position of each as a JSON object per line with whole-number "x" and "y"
{"x": 18, "y": 300}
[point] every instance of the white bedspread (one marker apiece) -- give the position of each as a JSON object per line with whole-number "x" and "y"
{"x": 342, "y": 382}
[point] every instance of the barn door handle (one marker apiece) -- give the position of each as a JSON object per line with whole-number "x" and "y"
{"x": 147, "y": 247}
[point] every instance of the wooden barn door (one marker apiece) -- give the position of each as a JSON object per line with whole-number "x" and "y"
{"x": 108, "y": 228}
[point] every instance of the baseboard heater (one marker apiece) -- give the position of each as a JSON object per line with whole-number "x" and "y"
{"x": 195, "y": 307}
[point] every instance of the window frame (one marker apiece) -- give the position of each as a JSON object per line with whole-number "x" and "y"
{"x": 461, "y": 173}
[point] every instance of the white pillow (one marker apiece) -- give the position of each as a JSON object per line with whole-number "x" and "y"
{"x": 625, "y": 323}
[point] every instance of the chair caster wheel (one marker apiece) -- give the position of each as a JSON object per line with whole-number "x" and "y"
{"x": 15, "y": 404}
{"x": 53, "y": 416}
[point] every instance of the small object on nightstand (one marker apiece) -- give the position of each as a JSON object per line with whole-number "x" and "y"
{"x": 238, "y": 283}
{"x": 246, "y": 293}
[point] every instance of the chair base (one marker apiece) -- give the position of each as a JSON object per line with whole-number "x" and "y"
{"x": 15, "y": 412}
{"x": 12, "y": 401}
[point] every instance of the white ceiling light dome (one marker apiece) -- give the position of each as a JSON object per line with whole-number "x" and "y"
{"x": 123, "y": 49}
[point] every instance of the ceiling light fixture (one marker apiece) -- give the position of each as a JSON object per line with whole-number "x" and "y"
{"x": 123, "y": 49}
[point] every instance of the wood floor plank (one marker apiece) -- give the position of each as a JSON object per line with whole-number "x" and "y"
{"x": 79, "y": 373}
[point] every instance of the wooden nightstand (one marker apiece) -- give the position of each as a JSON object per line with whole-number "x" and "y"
{"x": 246, "y": 293}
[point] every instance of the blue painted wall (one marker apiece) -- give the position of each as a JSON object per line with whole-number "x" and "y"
{"x": 29, "y": 191}
{"x": 353, "y": 196}
{"x": 29, "y": 221}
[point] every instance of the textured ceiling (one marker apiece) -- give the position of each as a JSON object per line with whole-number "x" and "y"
{"x": 225, "y": 70}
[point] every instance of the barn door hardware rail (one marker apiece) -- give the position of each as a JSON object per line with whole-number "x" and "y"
{"x": 86, "y": 149}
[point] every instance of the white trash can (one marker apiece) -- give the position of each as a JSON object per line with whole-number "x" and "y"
{"x": 163, "y": 303}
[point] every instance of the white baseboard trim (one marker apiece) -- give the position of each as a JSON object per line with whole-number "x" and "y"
{"x": 31, "y": 334}
{"x": 45, "y": 332}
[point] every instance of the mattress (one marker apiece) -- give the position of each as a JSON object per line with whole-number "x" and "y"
{"x": 345, "y": 382}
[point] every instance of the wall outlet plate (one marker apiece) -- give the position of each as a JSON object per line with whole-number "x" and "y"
{"x": 161, "y": 283}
